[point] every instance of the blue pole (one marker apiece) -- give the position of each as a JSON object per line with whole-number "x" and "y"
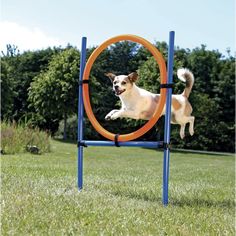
{"x": 146, "y": 144}
{"x": 168, "y": 119}
{"x": 81, "y": 113}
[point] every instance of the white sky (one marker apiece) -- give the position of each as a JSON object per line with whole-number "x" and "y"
{"x": 34, "y": 24}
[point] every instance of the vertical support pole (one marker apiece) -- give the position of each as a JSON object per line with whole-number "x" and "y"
{"x": 81, "y": 113}
{"x": 168, "y": 119}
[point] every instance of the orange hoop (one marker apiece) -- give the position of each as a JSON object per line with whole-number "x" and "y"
{"x": 163, "y": 75}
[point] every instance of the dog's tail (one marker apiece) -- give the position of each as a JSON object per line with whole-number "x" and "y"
{"x": 186, "y": 76}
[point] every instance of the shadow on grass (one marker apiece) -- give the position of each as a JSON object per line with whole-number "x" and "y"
{"x": 182, "y": 202}
{"x": 142, "y": 196}
{"x": 189, "y": 151}
{"x": 196, "y": 202}
{"x": 209, "y": 153}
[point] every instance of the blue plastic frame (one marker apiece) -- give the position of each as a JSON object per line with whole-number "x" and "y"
{"x": 167, "y": 128}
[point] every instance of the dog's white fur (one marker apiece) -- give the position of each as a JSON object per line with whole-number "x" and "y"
{"x": 138, "y": 103}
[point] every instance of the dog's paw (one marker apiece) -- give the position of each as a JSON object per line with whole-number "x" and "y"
{"x": 115, "y": 116}
{"x": 107, "y": 117}
{"x": 191, "y": 132}
{"x": 182, "y": 135}
{"x": 110, "y": 115}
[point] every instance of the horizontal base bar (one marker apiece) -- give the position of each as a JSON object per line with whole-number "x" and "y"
{"x": 147, "y": 144}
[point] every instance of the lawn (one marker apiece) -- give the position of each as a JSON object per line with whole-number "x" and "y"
{"x": 122, "y": 193}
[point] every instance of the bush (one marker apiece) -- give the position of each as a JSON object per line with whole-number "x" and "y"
{"x": 16, "y": 138}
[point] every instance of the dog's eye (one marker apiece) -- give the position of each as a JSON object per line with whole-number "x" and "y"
{"x": 123, "y": 83}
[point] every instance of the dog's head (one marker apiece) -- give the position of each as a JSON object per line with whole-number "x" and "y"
{"x": 122, "y": 83}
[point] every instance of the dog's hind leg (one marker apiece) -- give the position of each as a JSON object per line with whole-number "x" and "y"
{"x": 182, "y": 130}
{"x": 191, "y": 125}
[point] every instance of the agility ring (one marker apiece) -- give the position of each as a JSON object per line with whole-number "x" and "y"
{"x": 86, "y": 98}
{"x": 166, "y": 80}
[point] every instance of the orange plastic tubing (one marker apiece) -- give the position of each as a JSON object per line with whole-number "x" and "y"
{"x": 163, "y": 75}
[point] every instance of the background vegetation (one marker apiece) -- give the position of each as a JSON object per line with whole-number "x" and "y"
{"x": 40, "y": 88}
{"x": 17, "y": 138}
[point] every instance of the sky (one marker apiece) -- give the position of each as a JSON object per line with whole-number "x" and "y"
{"x": 38, "y": 24}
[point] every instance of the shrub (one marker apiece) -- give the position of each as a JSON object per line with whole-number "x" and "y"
{"x": 15, "y": 138}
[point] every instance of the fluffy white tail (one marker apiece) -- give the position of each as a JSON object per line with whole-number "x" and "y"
{"x": 186, "y": 76}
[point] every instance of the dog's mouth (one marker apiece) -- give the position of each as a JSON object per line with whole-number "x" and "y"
{"x": 118, "y": 92}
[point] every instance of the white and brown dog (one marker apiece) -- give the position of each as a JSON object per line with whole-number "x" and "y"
{"x": 138, "y": 103}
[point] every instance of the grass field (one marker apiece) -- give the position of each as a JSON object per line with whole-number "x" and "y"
{"x": 121, "y": 196}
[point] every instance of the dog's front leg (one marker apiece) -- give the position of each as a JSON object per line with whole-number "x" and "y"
{"x": 110, "y": 114}
{"x": 124, "y": 113}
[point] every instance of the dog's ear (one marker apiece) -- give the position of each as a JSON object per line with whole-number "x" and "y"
{"x": 133, "y": 77}
{"x": 110, "y": 76}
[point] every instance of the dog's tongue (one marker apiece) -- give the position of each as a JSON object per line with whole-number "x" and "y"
{"x": 119, "y": 92}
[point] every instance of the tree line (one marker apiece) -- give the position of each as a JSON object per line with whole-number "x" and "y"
{"x": 40, "y": 88}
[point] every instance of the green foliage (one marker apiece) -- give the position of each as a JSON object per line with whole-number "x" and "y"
{"x": 7, "y": 91}
{"x": 40, "y": 88}
{"x": 148, "y": 73}
{"x": 53, "y": 93}
{"x": 215, "y": 84}
{"x": 19, "y": 70}
{"x": 122, "y": 193}
{"x": 15, "y": 138}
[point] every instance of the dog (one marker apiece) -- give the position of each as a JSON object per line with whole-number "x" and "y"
{"x": 138, "y": 103}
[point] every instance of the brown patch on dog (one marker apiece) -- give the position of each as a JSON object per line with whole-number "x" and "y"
{"x": 176, "y": 104}
{"x": 188, "y": 109}
{"x": 173, "y": 120}
{"x": 145, "y": 115}
{"x": 127, "y": 80}
{"x": 110, "y": 76}
{"x": 156, "y": 99}
{"x": 133, "y": 77}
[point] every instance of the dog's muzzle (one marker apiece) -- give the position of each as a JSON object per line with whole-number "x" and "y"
{"x": 118, "y": 91}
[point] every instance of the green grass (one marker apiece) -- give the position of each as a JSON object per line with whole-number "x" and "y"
{"x": 121, "y": 196}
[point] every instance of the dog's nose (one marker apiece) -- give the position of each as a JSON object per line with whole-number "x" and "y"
{"x": 116, "y": 87}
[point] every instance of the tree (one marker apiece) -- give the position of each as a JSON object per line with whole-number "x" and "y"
{"x": 7, "y": 91}
{"x": 215, "y": 78}
{"x": 53, "y": 93}
{"x": 18, "y": 72}
{"x": 12, "y": 51}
